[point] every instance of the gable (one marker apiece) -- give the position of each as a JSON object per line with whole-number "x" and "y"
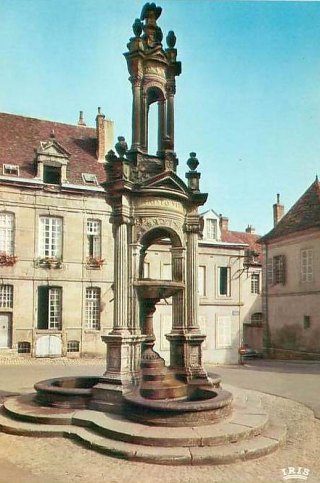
{"x": 166, "y": 181}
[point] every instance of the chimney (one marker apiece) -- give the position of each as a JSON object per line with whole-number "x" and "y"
{"x": 224, "y": 223}
{"x": 104, "y": 135}
{"x": 278, "y": 211}
{"x": 250, "y": 229}
{"x": 81, "y": 119}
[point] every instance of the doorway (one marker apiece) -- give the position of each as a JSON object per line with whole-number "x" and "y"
{"x": 5, "y": 329}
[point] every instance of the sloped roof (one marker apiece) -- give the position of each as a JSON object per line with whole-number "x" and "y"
{"x": 20, "y": 136}
{"x": 304, "y": 214}
{"x": 249, "y": 239}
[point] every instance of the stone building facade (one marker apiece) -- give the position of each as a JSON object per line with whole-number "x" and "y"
{"x": 292, "y": 278}
{"x": 55, "y": 238}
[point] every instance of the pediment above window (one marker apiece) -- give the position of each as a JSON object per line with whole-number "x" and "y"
{"x": 51, "y": 152}
{"x": 52, "y": 160}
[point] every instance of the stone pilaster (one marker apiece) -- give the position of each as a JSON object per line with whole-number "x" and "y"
{"x": 192, "y": 229}
{"x": 178, "y": 300}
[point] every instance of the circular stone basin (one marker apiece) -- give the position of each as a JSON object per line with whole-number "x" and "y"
{"x": 65, "y": 392}
{"x": 203, "y": 405}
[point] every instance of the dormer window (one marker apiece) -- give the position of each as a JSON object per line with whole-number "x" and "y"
{"x": 52, "y": 160}
{"x": 10, "y": 169}
{"x": 211, "y": 229}
{"x": 51, "y": 174}
{"x": 89, "y": 178}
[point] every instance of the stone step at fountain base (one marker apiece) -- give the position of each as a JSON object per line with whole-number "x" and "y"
{"x": 247, "y": 433}
{"x": 223, "y": 454}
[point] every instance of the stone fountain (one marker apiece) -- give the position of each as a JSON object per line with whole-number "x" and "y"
{"x": 123, "y": 412}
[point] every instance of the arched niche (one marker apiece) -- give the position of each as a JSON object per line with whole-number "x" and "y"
{"x": 156, "y": 236}
{"x": 155, "y": 94}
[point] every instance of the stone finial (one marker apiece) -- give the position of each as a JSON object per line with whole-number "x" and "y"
{"x": 111, "y": 156}
{"x": 193, "y": 162}
{"x": 171, "y": 39}
{"x": 121, "y": 146}
{"x": 137, "y": 27}
{"x": 150, "y": 13}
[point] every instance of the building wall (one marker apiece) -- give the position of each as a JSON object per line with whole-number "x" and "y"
{"x": 221, "y": 317}
{"x": 73, "y": 276}
{"x": 289, "y": 304}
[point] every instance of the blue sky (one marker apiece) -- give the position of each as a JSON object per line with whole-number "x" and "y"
{"x": 247, "y": 102}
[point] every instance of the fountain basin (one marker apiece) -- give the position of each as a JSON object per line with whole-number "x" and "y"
{"x": 202, "y": 405}
{"x": 157, "y": 289}
{"x": 65, "y": 392}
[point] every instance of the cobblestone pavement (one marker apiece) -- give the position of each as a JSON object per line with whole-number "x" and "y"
{"x": 46, "y": 460}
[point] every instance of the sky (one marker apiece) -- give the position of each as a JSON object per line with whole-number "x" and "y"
{"x": 247, "y": 101}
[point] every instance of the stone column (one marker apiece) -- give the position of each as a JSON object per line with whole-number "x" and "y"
{"x": 161, "y": 124}
{"x": 144, "y": 123}
{"x": 192, "y": 278}
{"x": 121, "y": 275}
{"x": 136, "y": 112}
{"x": 170, "y": 111}
{"x": 178, "y": 300}
{"x": 134, "y": 267}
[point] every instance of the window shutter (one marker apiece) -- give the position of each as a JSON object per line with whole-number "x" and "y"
{"x": 43, "y": 304}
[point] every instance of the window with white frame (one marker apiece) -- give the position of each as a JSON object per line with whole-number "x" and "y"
{"x": 306, "y": 263}
{"x": 211, "y": 229}
{"x": 49, "y": 307}
{"x": 50, "y": 237}
{"x": 6, "y": 296}
{"x": 7, "y": 233}
{"x": 11, "y": 169}
{"x": 276, "y": 270}
{"x": 202, "y": 281}
{"x": 93, "y": 308}
{"x": 94, "y": 238}
{"x": 73, "y": 346}
{"x": 89, "y": 178}
{"x": 224, "y": 280}
{"x": 255, "y": 283}
{"x": 223, "y": 332}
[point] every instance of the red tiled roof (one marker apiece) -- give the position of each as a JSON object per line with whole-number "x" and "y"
{"x": 249, "y": 239}
{"x": 20, "y": 136}
{"x": 304, "y": 214}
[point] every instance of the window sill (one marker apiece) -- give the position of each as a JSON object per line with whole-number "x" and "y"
{"x": 48, "y": 263}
